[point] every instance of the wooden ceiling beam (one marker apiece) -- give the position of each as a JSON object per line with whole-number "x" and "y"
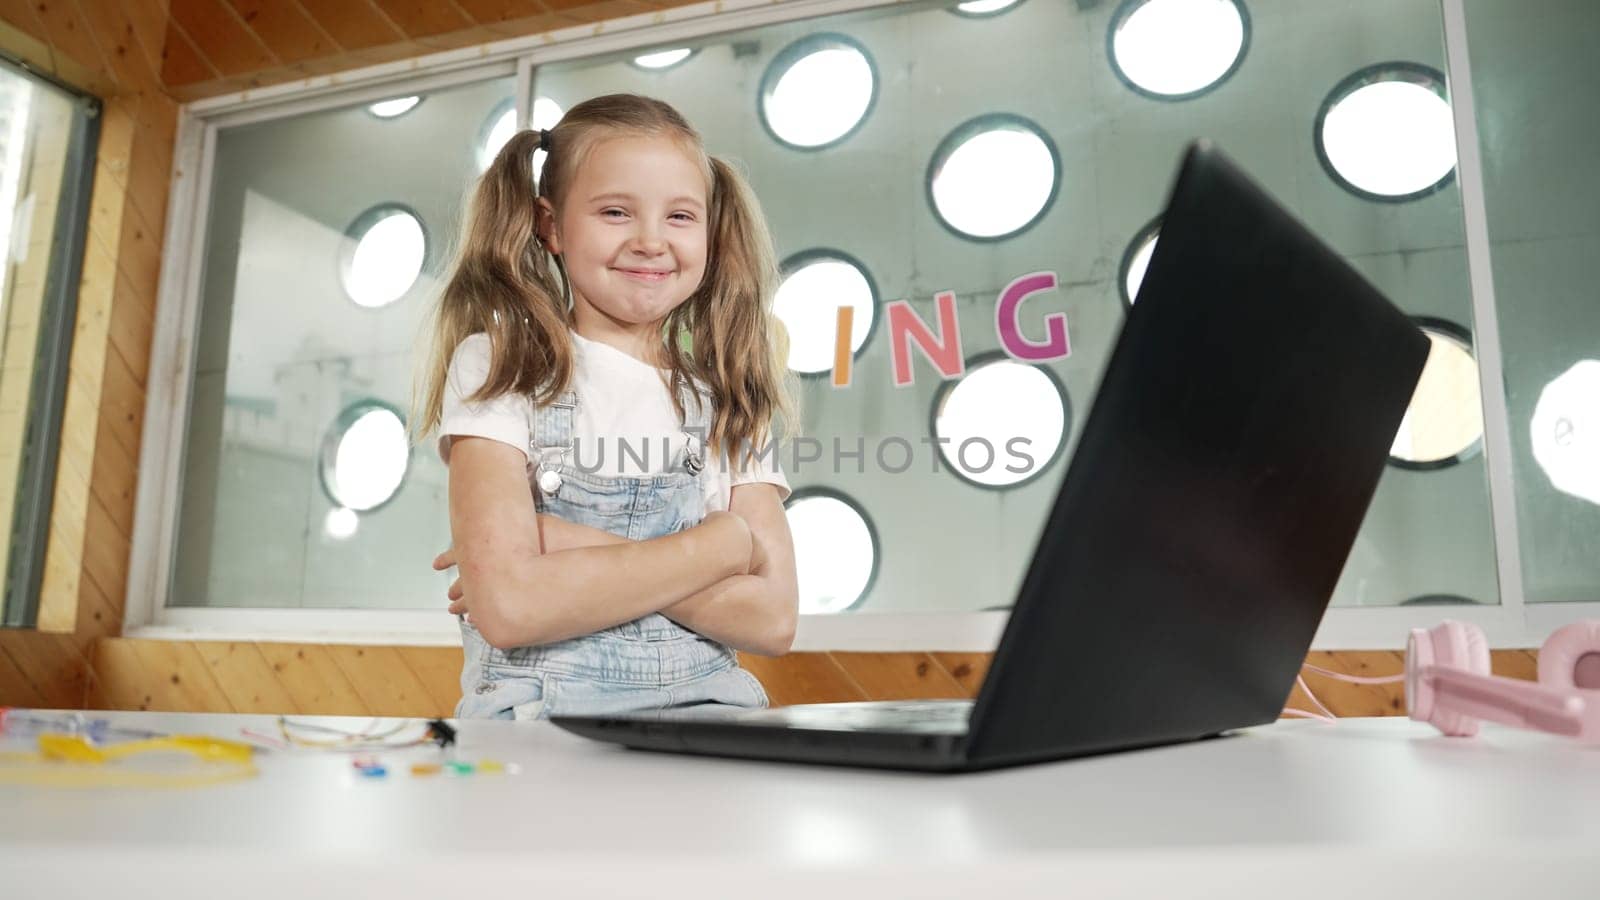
{"x": 212, "y": 47}
{"x": 425, "y": 18}
{"x": 286, "y": 29}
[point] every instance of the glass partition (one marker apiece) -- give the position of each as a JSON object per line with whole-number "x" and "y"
{"x": 1538, "y": 122}
{"x": 919, "y": 152}
{"x": 918, "y": 164}
{"x": 325, "y": 237}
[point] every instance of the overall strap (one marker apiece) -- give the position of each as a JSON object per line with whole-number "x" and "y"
{"x": 550, "y": 438}
{"x": 696, "y": 428}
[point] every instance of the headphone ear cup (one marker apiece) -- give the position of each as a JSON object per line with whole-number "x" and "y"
{"x": 1475, "y": 657}
{"x": 1457, "y": 645}
{"x": 1570, "y": 658}
{"x": 1419, "y": 655}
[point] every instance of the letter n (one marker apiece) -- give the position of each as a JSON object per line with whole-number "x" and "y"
{"x": 944, "y": 351}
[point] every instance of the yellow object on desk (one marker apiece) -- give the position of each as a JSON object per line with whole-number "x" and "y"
{"x": 73, "y": 748}
{"x": 67, "y": 760}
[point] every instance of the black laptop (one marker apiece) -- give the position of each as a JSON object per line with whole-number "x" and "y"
{"x": 1237, "y": 437}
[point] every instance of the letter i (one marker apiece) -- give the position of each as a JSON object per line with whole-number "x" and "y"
{"x": 841, "y": 346}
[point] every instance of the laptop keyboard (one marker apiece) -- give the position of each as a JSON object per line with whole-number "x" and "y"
{"x": 913, "y": 716}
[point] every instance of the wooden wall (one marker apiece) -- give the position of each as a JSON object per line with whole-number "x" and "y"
{"x": 112, "y": 49}
{"x": 141, "y": 61}
{"x": 221, "y": 46}
{"x": 423, "y": 681}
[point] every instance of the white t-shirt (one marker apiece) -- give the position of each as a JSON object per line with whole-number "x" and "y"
{"x": 620, "y": 399}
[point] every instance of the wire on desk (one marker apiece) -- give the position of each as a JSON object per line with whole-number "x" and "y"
{"x": 369, "y": 738}
{"x": 1354, "y": 679}
{"x": 1301, "y": 681}
{"x": 1300, "y": 713}
{"x": 267, "y": 739}
{"x": 1325, "y": 714}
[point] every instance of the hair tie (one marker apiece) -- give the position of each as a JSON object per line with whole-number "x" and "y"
{"x": 544, "y": 139}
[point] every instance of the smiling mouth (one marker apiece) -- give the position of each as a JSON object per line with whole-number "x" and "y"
{"x": 645, "y": 274}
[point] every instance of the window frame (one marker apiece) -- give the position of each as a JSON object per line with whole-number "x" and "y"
{"x": 29, "y": 529}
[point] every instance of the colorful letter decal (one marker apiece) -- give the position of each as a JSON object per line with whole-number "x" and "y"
{"x": 1055, "y": 346}
{"x": 842, "y": 334}
{"x": 943, "y": 351}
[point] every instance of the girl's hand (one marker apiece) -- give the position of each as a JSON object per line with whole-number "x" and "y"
{"x": 758, "y": 554}
{"x": 557, "y": 535}
{"x": 444, "y": 561}
{"x": 731, "y": 528}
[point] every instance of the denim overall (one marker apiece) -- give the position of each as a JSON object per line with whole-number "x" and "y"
{"x": 649, "y": 663}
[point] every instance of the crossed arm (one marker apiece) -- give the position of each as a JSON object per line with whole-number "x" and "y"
{"x": 535, "y": 579}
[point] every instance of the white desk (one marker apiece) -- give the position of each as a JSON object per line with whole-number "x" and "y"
{"x": 1361, "y": 808}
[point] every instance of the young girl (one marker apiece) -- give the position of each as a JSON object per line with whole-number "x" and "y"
{"x": 605, "y": 358}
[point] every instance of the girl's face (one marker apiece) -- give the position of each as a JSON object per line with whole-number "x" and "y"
{"x": 632, "y": 232}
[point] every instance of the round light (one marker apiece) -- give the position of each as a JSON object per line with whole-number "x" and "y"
{"x": 546, "y": 115}
{"x": 497, "y": 129}
{"x": 981, "y": 8}
{"x": 1444, "y": 422}
{"x": 665, "y": 59}
{"x": 340, "y": 523}
{"x": 993, "y": 177}
{"x": 389, "y": 109}
{"x": 364, "y": 456}
{"x": 835, "y": 552}
{"x": 808, "y": 300}
{"x": 384, "y": 251}
{"x": 1566, "y": 431}
{"x": 1136, "y": 260}
{"x": 1386, "y": 133}
{"x": 1177, "y": 49}
{"x": 1438, "y": 600}
{"x": 1000, "y": 424}
{"x": 817, "y": 91}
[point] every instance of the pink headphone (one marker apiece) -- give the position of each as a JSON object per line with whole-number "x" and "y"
{"x": 1448, "y": 684}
